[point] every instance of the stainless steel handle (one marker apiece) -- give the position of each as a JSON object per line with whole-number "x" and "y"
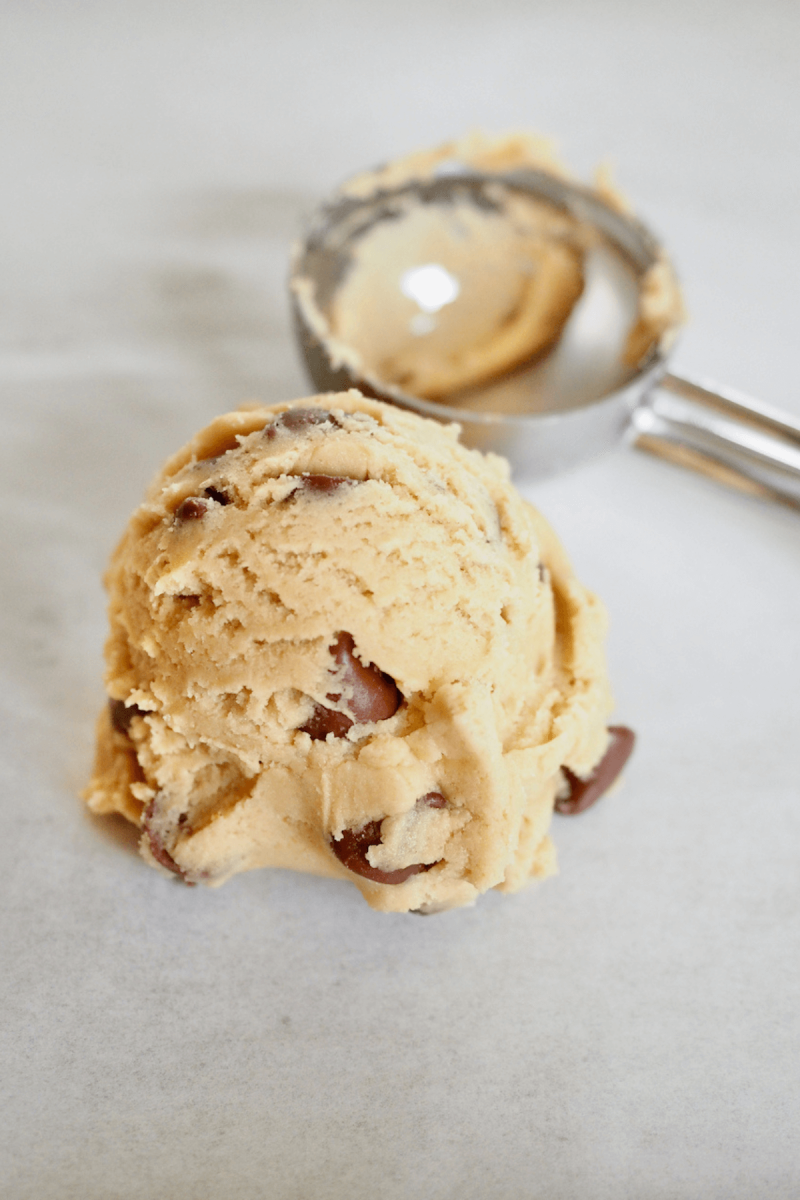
{"x": 722, "y": 433}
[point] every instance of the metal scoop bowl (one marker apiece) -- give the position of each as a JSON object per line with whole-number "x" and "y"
{"x": 556, "y": 408}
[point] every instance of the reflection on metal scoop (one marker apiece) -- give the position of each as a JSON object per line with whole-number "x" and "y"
{"x": 582, "y": 391}
{"x": 587, "y": 360}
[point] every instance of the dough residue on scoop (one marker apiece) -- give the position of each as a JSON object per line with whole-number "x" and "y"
{"x": 502, "y": 271}
{"x": 508, "y": 278}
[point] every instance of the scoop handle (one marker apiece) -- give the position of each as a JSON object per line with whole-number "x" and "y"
{"x": 724, "y": 434}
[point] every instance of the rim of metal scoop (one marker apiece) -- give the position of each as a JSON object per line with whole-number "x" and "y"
{"x": 695, "y": 423}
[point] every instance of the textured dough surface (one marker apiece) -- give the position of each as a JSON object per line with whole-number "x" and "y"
{"x": 228, "y": 592}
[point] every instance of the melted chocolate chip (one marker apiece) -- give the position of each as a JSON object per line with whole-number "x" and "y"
{"x": 585, "y": 792}
{"x": 122, "y": 715}
{"x": 374, "y": 695}
{"x": 191, "y": 509}
{"x": 297, "y": 420}
{"x": 321, "y": 484}
{"x": 351, "y": 848}
{"x": 215, "y": 494}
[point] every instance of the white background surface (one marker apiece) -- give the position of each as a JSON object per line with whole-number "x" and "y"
{"x": 629, "y": 1029}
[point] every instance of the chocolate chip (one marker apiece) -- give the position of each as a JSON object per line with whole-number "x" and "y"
{"x": 433, "y": 800}
{"x": 324, "y": 721}
{"x": 215, "y": 494}
{"x": 322, "y": 484}
{"x": 191, "y": 509}
{"x": 159, "y": 851}
{"x": 374, "y": 695}
{"x": 351, "y": 849}
{"x": 157, "y": 847}
{"x": 297, "y": 420}
{"x": 122, "y": 714}
{"x": 585, "y": 792}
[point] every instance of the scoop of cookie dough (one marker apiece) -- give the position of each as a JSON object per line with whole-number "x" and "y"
{"x": 343, "y": 644}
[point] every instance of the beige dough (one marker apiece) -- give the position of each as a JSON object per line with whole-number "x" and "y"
{"x": 275, "y": 536}
{"x": 518, "y": 271}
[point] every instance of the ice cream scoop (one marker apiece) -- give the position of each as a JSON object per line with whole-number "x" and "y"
{"x": 342, "y": 643}
{"x": 478, "y": 282}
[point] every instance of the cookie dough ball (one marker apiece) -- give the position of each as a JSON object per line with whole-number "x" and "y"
{"x": 343, "y": 644}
